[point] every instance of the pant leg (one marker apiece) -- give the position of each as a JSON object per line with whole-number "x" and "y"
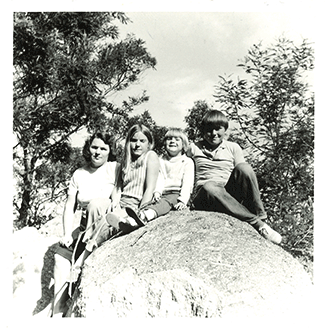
{"x": 96, "y": 209}
{"x": 213, "y": 197}
{"x": 243, "y": 186}
{"x": 165, "y": 204}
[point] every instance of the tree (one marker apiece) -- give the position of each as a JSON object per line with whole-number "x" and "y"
{"x": 194, "y": 119}
{"x": 66, "y": 64}
{"x": 274, "y": 109}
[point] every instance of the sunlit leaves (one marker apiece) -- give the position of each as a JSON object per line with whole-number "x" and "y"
{"x": 66, "y": 65}
{"x": 274, "y": 108}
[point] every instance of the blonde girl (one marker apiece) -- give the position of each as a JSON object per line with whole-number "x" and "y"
{"x": 137, "y": 178}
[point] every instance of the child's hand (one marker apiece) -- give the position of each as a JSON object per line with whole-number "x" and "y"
{"x": 156, "y": 197}
{"x": 180, "y": 206}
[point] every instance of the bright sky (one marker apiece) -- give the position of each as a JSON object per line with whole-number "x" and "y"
{"x": 194, "y": 43}
{"x": 193, "y": 48}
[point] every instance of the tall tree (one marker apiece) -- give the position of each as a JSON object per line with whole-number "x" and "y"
{"x": 274, "y": 109}
{"x": 66, "y": 65}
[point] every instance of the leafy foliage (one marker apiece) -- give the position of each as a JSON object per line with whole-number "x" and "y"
{"x": 194, "y": 119}
{"x": 66, "y": 64}
{"x": 274, "y": 110}
{"x": 273, "y": 113}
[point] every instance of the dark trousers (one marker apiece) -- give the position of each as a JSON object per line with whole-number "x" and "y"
{"x": 240, "y": 197}
{"x": 165, "y": 204}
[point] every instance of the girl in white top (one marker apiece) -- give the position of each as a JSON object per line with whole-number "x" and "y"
{"x": 90, "y": 188}
{"x": 137, "y": 178}
{"x": 176, "y": 178}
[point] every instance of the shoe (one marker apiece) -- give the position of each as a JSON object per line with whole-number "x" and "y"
{"x": 113, "y": 220}
{"x": 268, "y": 233}
{"x": 141, "y": 222}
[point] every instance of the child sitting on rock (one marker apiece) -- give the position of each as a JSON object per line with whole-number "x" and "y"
{"x": 136, "y": 179}
{"x": 176, "y": 179}
{"x": 224, "y": 182}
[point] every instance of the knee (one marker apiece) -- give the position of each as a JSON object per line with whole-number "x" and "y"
{"x": 213, "y": 188}
{"x": 243, "y": 168}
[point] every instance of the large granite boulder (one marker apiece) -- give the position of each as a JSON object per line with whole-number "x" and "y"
{"x": 191, "y": 264}
{"x": 33, "y": 262}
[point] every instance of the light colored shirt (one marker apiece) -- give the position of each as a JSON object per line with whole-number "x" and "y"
{"x": 134, "y": 180}
{"x": 90, "y": 184}
{"x": 215, "y": 165}
{"x": 176, "y": 174}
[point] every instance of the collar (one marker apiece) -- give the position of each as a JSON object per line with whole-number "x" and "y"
{"x": 222, "y": 145}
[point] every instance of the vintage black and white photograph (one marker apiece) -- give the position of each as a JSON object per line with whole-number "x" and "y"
{"x": 163, "y": 162}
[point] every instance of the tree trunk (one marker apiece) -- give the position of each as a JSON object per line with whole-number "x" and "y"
{"x": 29, "y": 163}
{"x": 24, "y": 207}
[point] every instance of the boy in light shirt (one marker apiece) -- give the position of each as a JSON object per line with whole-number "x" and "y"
{"x": 224, "y": 182}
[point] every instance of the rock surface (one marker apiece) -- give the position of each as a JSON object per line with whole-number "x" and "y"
{"x": 33, "y": 261}
{"x": 192, "y": 264}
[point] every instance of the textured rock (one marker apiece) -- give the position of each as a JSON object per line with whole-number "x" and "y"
{"x": 191, "y": 264}
{"x": 33, "y": 261}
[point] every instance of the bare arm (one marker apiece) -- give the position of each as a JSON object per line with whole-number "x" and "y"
{"x": 116, "y": 196}
{"x": 151, "y": 178}
{"x": 68, "y": 215}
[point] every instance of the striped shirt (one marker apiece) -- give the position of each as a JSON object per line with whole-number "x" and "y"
{"x": 134, "y": 180}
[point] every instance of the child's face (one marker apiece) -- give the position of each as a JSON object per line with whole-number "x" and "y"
{"x": 214, "y": 135}
{"x": 139, "y": 144}
{"x": 174, "y": 145}
{"x": 99, "y": 152}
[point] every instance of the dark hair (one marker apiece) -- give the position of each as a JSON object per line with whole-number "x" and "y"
{"x": 108, "y": 140}
{"x": 214, "y": 118}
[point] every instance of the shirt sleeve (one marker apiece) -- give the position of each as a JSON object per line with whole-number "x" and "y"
{"x": 111, "y": 172}
{"x": 73, "y": 185}
{"x": 188, "y": 181}
{"x": 190, "y": 150}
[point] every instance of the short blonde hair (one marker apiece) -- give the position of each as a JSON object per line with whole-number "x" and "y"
{"x": 176, "y": 132}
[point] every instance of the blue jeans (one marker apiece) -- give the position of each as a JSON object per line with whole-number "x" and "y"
{"x": 240, "y": 197}
{"x": 165, "y": 204}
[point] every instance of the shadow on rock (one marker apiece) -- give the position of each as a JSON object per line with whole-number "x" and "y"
{"x": 47, "y": 276}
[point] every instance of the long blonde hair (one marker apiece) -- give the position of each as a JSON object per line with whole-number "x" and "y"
{"x": 127, "y": 156}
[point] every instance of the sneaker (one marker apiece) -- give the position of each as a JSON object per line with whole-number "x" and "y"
{"x": 140, "y": 221}
{"x": 268, "y": 233}
{"x": 113, "y": 220}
